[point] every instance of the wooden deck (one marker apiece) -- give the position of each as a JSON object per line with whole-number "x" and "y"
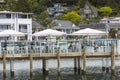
{"x": 50, "y": 55}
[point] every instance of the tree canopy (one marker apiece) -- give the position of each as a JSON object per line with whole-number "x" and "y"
{"x": 106, "y": 11}
{"x": 72, "y": 16}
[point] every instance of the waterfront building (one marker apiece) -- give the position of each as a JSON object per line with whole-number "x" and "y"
{"x": 110, "y": 20}
{"x": 17, "y": 21}
{"x": 65, "y": 26}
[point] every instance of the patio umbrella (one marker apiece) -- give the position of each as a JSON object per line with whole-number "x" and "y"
{"x": 89, "y": 32}
{"x": 11, "y": 33}
{"x": 49, "y": 32}
{"x": 7, "y": 33}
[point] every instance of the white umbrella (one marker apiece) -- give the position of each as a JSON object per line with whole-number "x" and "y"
{"x": 88, "y": 31}
{"x": 6, "y": 33}
{"x": 49, "y": 32}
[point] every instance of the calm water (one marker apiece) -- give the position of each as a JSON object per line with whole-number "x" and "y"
{"x": 94, "y": 71}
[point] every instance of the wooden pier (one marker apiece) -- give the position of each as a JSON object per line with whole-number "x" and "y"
{"x": 46, "y": 56}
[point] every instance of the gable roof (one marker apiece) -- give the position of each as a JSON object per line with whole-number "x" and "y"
{"x": 91, "y": 7}
{"x": 63, "y": 24}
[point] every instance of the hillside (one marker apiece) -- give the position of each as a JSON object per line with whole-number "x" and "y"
{"x": 37, "y": 6}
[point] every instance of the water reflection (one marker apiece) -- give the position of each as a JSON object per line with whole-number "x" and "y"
{"x": 113, "y": 78}
{"x": 39, "y": 76}
{"x": 11, "y": 78}
{"x": 45, "y": 77}
{"x": 84, "y": 77}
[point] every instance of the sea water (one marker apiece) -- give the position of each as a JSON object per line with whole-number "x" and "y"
{"x": 94, "y": 70}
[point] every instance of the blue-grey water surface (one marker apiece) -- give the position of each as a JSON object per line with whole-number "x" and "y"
{"x": 94, "y": 71}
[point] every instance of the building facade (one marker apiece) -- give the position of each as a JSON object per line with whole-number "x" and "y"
{"x": 110, "y": 20}
{"x": 65, "y": 26}
{"x": 56, "y": 10}
{"x": 88, "y": 11}
{"x": 17, "y": 21}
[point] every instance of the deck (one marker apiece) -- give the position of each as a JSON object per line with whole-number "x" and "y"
{"x": 54, "y": 56}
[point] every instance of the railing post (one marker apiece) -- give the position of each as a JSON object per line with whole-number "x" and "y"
{"x": 113, "y": 59}
{"x": 4, "y": 64}
{"x": 58, "y": 60}
{"x": 84, "y": 62}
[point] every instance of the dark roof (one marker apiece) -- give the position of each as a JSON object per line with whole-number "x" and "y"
{"x": 99, "y": 25}
{"x": 93, "y": 26}
{"x": 63, "y": 24}
{"x": 114, "y": 25}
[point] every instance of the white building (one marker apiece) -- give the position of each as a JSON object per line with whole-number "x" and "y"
{"x": 18, "y": 21}
{"x": 110, "y": 20}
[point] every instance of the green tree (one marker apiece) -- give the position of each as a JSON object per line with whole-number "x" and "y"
{"x": 105, "y": 11}
{"x": 113, "y": 32}
{"x": 10, "y": 5}
{"x": 23, "y": 6}
{"x": 72, "y": 16}
{"x": 45, "y": 20}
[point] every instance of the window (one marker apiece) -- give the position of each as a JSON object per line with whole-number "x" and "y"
{"x": 4, "y": 16}
{"x": 22, "y": 16}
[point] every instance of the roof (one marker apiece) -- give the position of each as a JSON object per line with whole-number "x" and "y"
{"x": 93, "y": 26}
{"x": 63, "y": 24}
{"x": 92, "y": 8}
{"x": 111, "y": 18}
{"x": 14, "y": 12}
{"x": 99, "y": 25}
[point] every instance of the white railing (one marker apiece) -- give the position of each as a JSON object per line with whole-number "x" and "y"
{"x": 66, "y": 46}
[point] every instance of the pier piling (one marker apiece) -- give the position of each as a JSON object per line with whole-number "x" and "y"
{"x": 31, "y": 63}
{"x": 4, "y": 64}
{"x": 45, "y": 66}
{"x": 103, "y": 65}
{"x": 79, "y": 69}
{"x": 84, "y": 62}
{"x": 107, "y": 65}
{"x": 58, "y": 61}
{"x": 113, "y": 59}
{"x": 12, "y": 67}
{"x": 75, "y": 65}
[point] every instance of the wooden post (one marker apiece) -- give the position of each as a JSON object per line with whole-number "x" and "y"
{"x": 12, "y": 67}
{"x": 75, "y": 65}
{"x": 4, "y": 64}
{"x": 103, "y": 64}
{"x": 58, "y": 60}
{"x": 84, "y": 62}
{"x": 31, "y": 63}
{"x": 45, "y": 66}
{"x": 113, "y": 59}
{"x": 107, "y": 65}
{"x": 79, "y": 69}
